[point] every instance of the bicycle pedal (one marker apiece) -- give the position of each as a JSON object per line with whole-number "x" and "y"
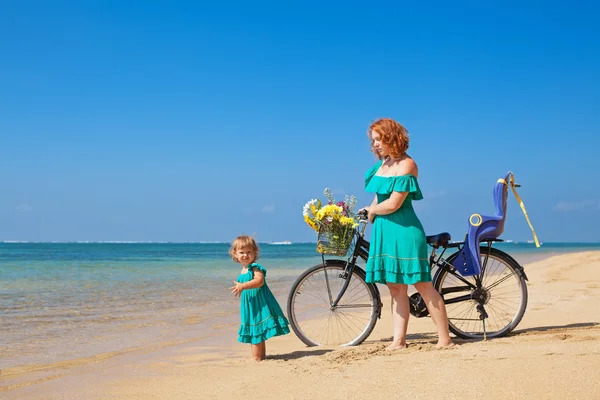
{"x": 417, "y": 306}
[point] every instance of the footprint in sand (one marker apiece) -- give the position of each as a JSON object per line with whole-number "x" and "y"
{"x": 563, "y": 336}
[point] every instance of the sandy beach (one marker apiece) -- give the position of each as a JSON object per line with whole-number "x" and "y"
{"x": 553, "y": 354}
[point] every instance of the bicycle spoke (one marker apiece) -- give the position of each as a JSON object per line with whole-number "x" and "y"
{"x": 493, "y": 285}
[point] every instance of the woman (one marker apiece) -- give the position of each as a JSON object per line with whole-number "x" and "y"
{"x": 398, "y": 252}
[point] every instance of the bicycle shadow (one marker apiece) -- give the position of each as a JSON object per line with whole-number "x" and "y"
{"x": 553, "y": 328}
{"x": 294, "y": 355}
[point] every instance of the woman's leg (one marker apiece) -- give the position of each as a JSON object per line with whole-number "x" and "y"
{"x": 258, "y": 351}
{"x": 400, "y": 314}
{"x": 437, "y": 310}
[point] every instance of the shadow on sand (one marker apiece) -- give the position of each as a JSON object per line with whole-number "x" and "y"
{"x": 298, "y": 354}
{"x": 554, "y": 328}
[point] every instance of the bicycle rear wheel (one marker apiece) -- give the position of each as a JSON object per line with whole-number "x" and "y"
{"x": 313, "y": 318}
{"x": 501, "y": 298}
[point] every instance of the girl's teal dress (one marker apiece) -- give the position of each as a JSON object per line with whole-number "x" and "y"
{"x": 398, "y": 249}
{"x": 261, "y": 316}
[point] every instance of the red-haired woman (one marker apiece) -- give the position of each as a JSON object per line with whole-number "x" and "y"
{"x": 398, "y": 253}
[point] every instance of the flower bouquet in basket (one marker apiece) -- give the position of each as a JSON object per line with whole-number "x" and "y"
{"x": 335, "y": 223}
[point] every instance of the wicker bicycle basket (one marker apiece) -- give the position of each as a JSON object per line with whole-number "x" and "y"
{"x": 334, "y": 239}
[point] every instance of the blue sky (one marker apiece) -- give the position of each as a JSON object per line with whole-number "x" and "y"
{"x": 198, "y": 122}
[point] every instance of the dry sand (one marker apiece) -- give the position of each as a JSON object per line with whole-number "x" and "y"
{"x": 553, "y": 354}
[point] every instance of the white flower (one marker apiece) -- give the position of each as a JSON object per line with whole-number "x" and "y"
{"x": 306, "y": 207}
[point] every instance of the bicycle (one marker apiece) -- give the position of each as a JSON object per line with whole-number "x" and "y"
{"x": 484, "y": 288}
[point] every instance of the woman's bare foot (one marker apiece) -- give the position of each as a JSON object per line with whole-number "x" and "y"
{"x": 395, "y": 346}
{"x": 445, "y": 344}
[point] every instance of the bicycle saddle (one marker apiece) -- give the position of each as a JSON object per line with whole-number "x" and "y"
{"x": 439, "y": 240}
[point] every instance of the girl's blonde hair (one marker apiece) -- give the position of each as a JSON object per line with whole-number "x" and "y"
{"x": 244, "y": 242}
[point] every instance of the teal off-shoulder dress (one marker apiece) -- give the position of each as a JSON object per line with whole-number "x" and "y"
{"x": 398, "y": 250}
{"x": 260, "y": 314}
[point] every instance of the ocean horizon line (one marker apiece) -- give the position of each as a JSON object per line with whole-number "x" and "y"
{"x": 506, "y": 241}
{"x": 141, "y": 242}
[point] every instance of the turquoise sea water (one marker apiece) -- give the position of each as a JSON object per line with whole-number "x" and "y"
{"x": 63, "y": 301}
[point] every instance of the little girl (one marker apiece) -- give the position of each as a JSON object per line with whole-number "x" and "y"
{"x": 261, "y": 316}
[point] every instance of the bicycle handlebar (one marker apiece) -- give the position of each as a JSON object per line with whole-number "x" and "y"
{"x": 363, "y": 216}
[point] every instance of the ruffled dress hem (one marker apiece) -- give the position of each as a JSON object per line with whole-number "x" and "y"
{"x": 271, "y": 327}
{"x": 385, "y": 269}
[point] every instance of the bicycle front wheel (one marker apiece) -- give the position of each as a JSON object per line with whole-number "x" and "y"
{"x": 317, "y": 322}
{"x": 491, "y": 309}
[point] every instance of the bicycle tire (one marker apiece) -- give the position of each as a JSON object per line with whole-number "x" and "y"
{"x": 475, "y": 330}
{"x": 331, "y": 270}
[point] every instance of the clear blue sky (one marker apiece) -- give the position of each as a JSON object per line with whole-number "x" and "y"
{"x": 198, "y": 122}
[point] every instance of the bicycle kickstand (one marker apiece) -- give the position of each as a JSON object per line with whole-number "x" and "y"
{"x": 482, "y": 315}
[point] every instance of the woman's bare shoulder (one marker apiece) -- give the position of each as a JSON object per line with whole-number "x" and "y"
{"x": 407, "y": 166}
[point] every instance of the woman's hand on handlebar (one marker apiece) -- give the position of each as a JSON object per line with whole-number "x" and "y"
{"x": 365, "y": 212}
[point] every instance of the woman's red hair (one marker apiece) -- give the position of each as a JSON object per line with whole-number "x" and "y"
{"x": 393, "y": 136}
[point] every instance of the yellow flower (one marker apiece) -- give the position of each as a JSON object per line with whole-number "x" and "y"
{"x": 330, "y": 210}
{"x": 347, "y": 221}
{"x": 311, "y": 223}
